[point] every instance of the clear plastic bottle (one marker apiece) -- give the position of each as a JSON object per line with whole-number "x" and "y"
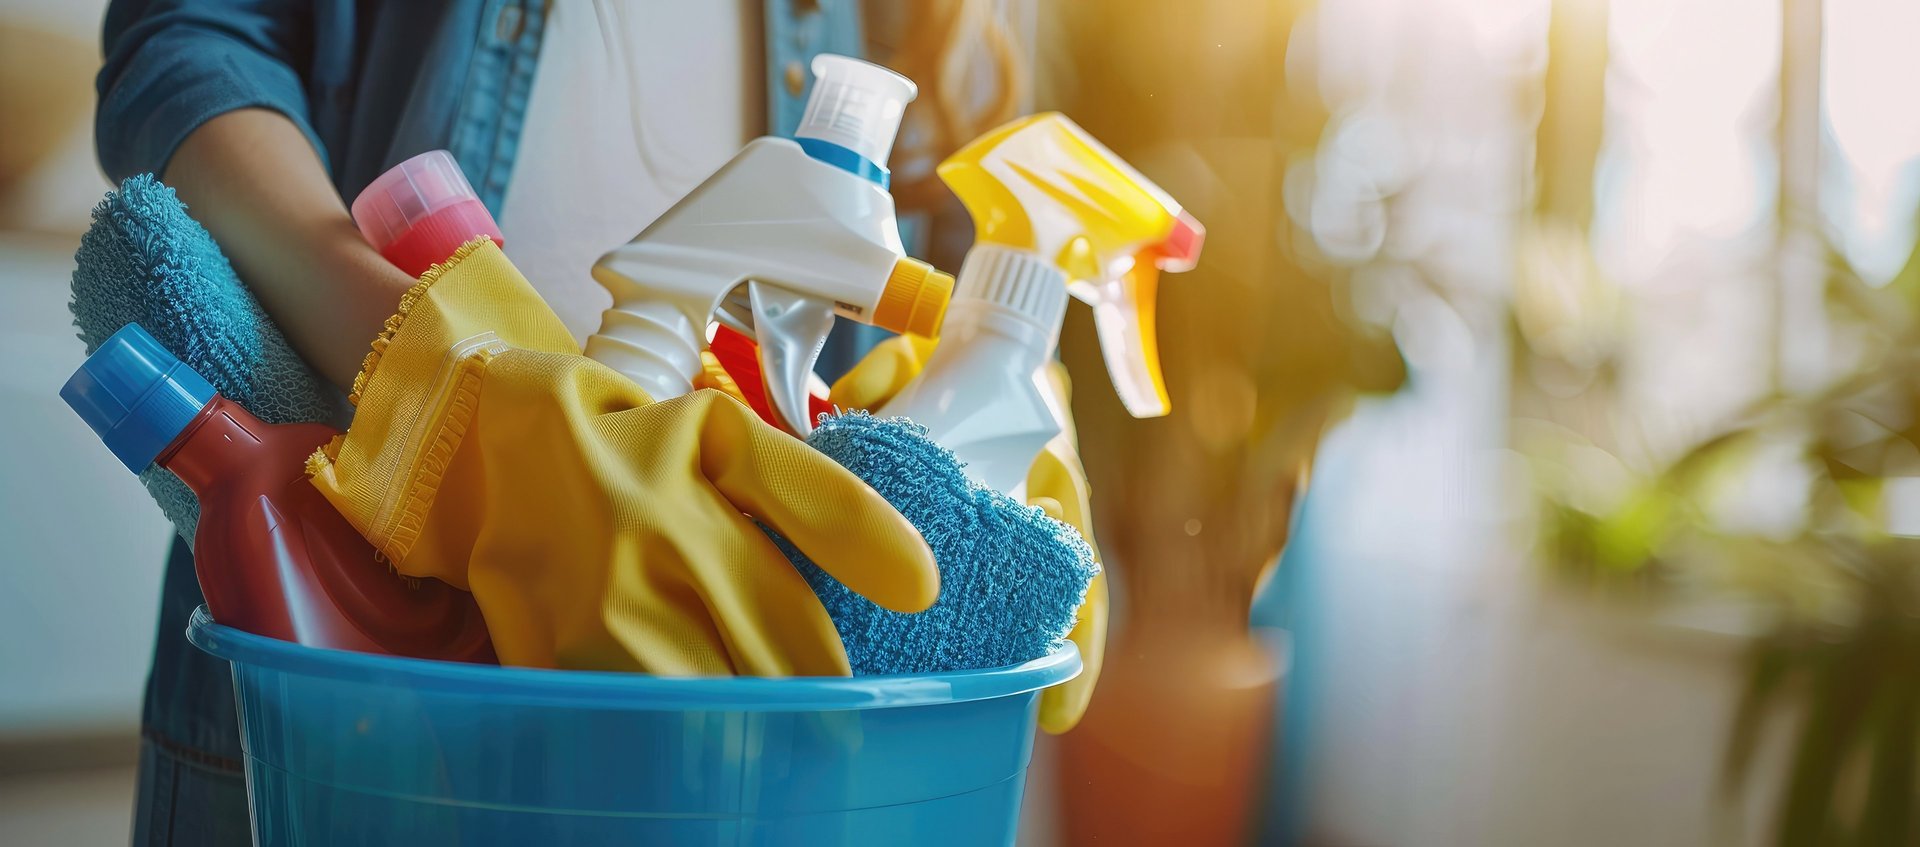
{"x": 422, "y": 210}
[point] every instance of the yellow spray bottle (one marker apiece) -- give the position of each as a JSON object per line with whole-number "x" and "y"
{"x": 1054, "y": 212}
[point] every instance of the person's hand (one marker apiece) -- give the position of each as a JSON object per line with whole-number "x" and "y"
{"x": 596, "y": 528}
{"x": 1057, "y": 483}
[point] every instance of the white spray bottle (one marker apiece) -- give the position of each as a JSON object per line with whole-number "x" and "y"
{"x": 786, "y": 235}
{"x": 1054, "y": 213}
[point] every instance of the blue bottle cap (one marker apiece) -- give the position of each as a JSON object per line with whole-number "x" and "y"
{"x": 136, "y": 396}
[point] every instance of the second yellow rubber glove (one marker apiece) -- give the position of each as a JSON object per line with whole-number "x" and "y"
{"x": 1057, "y": 483}
{"x": 597, "y": 529}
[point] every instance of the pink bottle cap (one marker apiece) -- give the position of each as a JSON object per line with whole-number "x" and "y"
{"x": 421, "y": 211}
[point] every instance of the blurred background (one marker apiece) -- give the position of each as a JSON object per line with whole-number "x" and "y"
{"x": 1545, "y": 462}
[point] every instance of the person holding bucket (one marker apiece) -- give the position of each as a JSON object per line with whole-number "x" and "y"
{"x": 263, "y": 115}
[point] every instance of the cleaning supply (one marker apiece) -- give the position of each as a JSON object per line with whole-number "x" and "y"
{"x": 1054, "y": 211}
{"x": 1011, "y": 577}
{"x": 597, "y": 529}
{"x": 1043, "y": 184}
{"x": 783, "y": 237}
{"x": 1057, "y": 483}
{"x": 978, "y": 393}
{"x": 272, "y": 557}
{"x": 421, "y": 210}
{"x": 739, "y": 358}
{"x": 145, "y": 261}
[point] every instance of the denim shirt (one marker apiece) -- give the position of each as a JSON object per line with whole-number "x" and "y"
{"x": 372, "y": 83}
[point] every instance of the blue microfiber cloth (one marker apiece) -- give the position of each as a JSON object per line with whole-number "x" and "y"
{"x": 1011, "y": 578}
{"x": 145, "y": 261}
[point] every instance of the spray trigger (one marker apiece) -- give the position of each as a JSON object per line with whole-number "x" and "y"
{"x": 790, "y": 329}
{"x": 1123, "y": 316}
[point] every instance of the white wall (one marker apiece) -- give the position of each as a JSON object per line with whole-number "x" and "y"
{"x": 80, "y": 575}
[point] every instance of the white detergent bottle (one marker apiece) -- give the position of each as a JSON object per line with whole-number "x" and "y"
{"x": 980, "y": 394}
{"x": 784, "y": 237}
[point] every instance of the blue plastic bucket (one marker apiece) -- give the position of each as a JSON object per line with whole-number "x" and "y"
{"x": 347, "y": 748}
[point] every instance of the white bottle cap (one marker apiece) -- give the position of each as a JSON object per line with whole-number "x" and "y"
{"x": 1013, "y": 281}
{"x": 856, "y": 105}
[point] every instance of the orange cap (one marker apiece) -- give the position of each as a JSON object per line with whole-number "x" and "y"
{"x": 914, "y": 299}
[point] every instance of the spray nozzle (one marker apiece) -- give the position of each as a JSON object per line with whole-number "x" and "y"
{"x": 1180, "y": 250}
{"x": 774, "y": 246}
{"x": 1043, "y": 184}
{"x": 855, "y": 108}
{"x": 856, "y": 105}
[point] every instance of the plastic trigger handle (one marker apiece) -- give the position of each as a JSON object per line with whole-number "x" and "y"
{"x": 790, "y": 329}
{"x": 1123, "y": 315}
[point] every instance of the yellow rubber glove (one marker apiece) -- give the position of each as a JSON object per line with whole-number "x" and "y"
{"x": 1056, "y": 483}
{"x": 597, "y": 529}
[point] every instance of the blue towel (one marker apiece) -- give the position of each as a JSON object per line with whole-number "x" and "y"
{"x": 1011, "y": 578}
{"x": 145, "y": 261}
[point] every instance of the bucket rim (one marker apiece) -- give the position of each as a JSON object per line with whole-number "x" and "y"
{"x": 634, "y": 691}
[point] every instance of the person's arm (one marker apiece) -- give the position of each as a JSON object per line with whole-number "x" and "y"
{"x": 208, "y": 94}
{"x": 253, "y": 181}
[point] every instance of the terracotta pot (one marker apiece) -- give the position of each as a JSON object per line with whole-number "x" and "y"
{"x": 1174, "y": 747}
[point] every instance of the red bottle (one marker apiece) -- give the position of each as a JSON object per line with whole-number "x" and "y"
{"x": 272, "y": 555}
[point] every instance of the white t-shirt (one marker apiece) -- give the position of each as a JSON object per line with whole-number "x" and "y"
{"x": 633, "y": 104}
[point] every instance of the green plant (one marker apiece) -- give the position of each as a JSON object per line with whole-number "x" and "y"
{"x": 1841, "y": 580}
{"x": 1852, "y": 774}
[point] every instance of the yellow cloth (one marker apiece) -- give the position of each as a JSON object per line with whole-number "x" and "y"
{"x": 1057, "y": 482}
{"x": 597, "y": 529}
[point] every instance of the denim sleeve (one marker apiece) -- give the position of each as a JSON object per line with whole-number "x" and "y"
{"x": 172, "y": 65}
